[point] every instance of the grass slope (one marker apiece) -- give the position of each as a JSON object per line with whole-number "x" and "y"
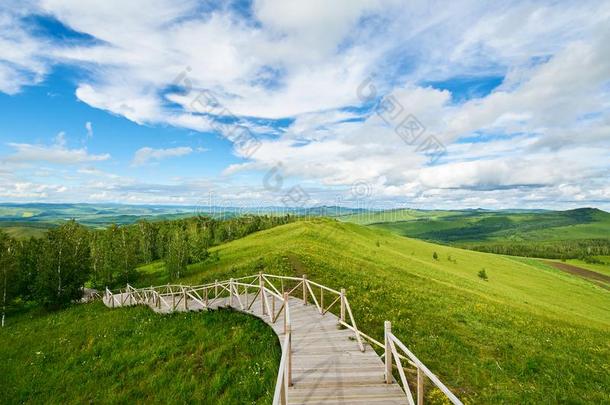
{"x": 530, "y": 334}
{"x": 91, "y": 354}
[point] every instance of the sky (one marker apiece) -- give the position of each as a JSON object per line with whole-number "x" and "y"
{"x": 365, "y": 103}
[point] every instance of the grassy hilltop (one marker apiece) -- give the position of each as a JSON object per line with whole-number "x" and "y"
{"x": 530, "y": 334}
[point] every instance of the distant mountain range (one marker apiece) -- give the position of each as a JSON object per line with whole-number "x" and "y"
{"x": 26, "y": 219}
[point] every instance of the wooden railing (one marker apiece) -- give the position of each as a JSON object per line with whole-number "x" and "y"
{"x": 275, "y": 292}
{"x": 391, "y": 352}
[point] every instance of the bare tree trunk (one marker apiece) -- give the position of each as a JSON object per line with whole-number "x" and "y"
{"x": 125, "y": 255}
{"x": 4, "y": 290}
{"x": 59, "y": 272}
{"x": 4, "y": 300}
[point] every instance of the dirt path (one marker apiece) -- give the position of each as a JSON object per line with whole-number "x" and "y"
{"x": 601, "y": 279}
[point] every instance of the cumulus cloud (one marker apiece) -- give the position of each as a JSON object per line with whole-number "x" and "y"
{"x": 303, "y": 63}
{"x": 146, "y": 155}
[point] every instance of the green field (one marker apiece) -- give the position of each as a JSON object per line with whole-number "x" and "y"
{"x": 91, "y": 354}
{"x": 530, "y": 334}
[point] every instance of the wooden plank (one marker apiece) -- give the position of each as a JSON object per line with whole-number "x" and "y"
{"x": 324, "y": 362}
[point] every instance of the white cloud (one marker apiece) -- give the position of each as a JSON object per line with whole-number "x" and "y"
{"x": 57, "y": 153}
{"x": 305, "y": 61}
{"x": 146, "y": 155}
{"x": 22, "y": 61}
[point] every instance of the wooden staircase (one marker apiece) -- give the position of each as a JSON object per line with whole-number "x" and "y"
{"x": 325, "y": 358}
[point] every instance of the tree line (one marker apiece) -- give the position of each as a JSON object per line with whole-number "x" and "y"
{"x": 583, "y": 249}
{"x": 51, "y": 271}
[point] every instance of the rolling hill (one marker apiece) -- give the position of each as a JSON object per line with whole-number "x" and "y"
{"x": 529, "y": 334}
{"x": 552, "y": 234}
{"x": 484, "y": 225}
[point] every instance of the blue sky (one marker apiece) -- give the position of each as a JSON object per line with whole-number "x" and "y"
{"x": 423, "y": 105}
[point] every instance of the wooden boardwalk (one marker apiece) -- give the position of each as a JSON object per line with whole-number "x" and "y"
{"x": 324, "y": 359}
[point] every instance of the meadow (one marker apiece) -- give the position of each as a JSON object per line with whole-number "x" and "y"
{"x": 91, "y": 354}
{"x": 526, "y": 333}
{"x": 529, "y": 334}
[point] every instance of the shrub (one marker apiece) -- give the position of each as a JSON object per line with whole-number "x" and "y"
{"x": 435, "y": 256}
{"x": 483, "y": 274}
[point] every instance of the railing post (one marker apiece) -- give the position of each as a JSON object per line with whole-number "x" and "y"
{"x": 186, "y": 306}
{"x": 387, "y": 326}
{"x": 343, "y": 305}
{"x": 289, "y": 360}
{"x": 304, "y": 289}
{"x": 420, "y": 387}
{"x": 261, "y": 286}
{"x": 231, "y": 292}
{"x": 285, "y": 312}
{"x": 321, "y": 301}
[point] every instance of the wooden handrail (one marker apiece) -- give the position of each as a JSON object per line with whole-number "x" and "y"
{"x": 263, "y": 283}
{"x": 280, "y": 395}
{"x": 391, "y": 352}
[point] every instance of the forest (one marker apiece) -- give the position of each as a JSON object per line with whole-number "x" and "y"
{"x": 51, "y": 271}
{"x": 584, "y": 249}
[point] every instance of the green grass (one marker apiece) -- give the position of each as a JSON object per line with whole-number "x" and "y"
{"x": 530, "y": 334}
{"x": 91, "y": 354}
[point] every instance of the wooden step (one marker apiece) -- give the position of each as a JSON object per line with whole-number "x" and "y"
{"x": 327, "y": 364}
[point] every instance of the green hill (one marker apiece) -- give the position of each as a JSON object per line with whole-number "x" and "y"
{"x": 553, "y": 234}
{"x": 530, "y": 334}
{"x": 483, "y": 225}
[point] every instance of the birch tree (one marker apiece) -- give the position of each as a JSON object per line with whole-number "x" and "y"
{"x": 8, "y": 263}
